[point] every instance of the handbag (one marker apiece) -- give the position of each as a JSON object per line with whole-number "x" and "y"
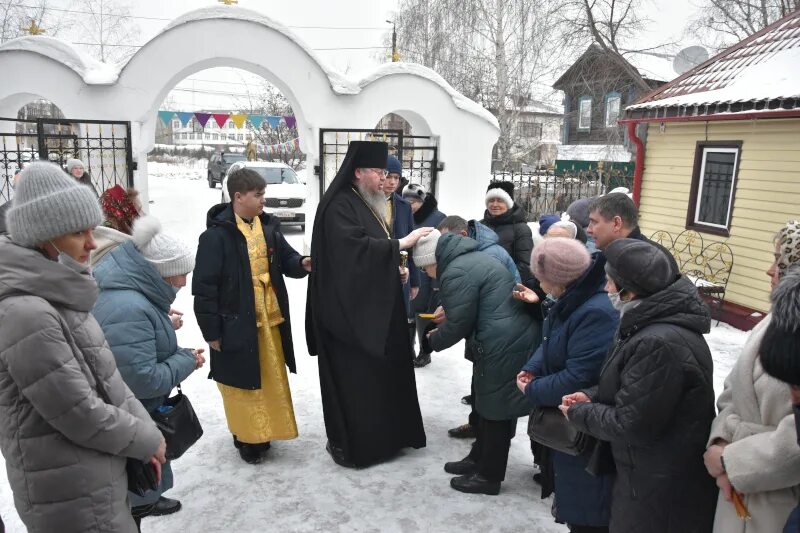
{"x": 178, "y": 423}
{"x": 549, "y": 427}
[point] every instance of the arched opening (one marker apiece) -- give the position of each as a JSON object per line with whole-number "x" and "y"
{"x": 215, "y": 119}
{"x": 418, "y": 149}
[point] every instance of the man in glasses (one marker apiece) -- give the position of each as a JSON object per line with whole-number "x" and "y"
{"x": 356, "y": 317}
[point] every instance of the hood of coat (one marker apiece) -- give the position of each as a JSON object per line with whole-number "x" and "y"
{"x": 28, "y": 271}
{"x": 449, "y": 247}
{"x": 485, "y": 236}
{"x": 678, "y": 304}
{"x": 429, "y": 206}
{"x": 107, "y": 239}
{"x": 514, "y": 215}
{"x": 125, "y": 268}
{"x": 591, "y": 282}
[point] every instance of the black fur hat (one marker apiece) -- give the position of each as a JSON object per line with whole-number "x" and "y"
{"x": 780, "y": 346}
{"x": 503, "y": 190}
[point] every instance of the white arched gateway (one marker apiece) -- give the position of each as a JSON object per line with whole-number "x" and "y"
{"x": 322, "y": 99}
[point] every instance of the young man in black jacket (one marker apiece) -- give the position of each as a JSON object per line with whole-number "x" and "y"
{"x": 242, "y": 308}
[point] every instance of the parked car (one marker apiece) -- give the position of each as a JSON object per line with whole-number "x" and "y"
{"x": 219, "y": 164}
{"x": 285, "y": 196}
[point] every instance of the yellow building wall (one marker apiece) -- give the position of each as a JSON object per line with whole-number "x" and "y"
{"x": 767, "y": 192}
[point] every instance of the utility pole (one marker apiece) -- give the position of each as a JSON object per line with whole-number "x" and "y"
{"x": 395, "y": 54}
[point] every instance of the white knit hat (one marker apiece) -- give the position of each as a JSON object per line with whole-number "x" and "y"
{"x": 425, "y": 249}
{"x": 72, "y": 163}
{"x": 169, "y": 255}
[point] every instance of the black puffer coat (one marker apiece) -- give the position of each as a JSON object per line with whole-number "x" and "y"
{"x": 655, "y": 404}
{"x": 224, "y": 302}
{"x": 515, "y": 236}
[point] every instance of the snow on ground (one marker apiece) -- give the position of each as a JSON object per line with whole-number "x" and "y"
{"x": 299, "y": 488}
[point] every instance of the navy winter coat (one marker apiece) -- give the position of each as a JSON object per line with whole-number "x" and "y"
{"x": 132, "y": 310}
{"x": 577, "y": 333}
{"x": 487, "y": 243}
{"x": 402, "y": 225}
{"x": 224, "y": 302}
{"x": 427, "y": 216}
{"x": 476, "y": 294}
{"x": 515, "y": 236}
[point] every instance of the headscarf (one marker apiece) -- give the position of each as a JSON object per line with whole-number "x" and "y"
{"x": 788, "y": 239}
{"x": 119, "y": 208}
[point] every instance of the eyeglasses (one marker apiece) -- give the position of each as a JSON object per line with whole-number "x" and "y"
{"x": 380, "y": 171}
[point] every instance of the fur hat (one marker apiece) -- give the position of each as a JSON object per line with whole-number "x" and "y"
{"x": 780, "y": 346}
{"x": 72, "y": 163}
{"x": 393, "y": 166}
{"x": 425, "y": 249}
{"x": 414, "y": 191}
{"x": 48, "y": 204}
{"x": 504, "y": 190}
{"x": 559, "y": 261}
{"x": 638, "y": 266}
{"x": 788, "y": 240}
{"x": 169, "y": 255}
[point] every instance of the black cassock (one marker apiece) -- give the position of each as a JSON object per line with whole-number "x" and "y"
{"x": 356, "y": 324}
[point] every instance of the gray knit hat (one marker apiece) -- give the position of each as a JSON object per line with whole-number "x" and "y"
{"x": 169, "y": 255}
{"x": 48, "y": 204}
{"x": 425, "y": 249}
{"x": 72, "y": 163}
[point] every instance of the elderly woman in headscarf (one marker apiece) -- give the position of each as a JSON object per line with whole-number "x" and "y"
{"x": 752, "y": 449}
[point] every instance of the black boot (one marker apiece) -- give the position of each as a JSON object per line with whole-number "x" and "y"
{"x": 465, "y": 431}
{"x": 424, "y": 359}
{"x": 475, "y": 484}
{"x": 337, "y": 454}
{"x": 250, "y": 453}
{"x": 464, "y": 467}
{"x": 162, "y": 507}
{"x": 412, "y": 333}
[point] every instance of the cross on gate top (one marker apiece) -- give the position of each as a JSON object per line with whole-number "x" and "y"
{"x": 228, "y": 2}
{"x": 34, "y": 29}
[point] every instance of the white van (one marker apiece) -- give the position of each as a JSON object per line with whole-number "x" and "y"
{"x": 285, "y": 196}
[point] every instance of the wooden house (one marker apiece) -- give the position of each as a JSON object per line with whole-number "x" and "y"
{"x": 722, "y": 156}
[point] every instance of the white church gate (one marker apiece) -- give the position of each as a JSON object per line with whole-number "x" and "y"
{"x": 103, "y": 146}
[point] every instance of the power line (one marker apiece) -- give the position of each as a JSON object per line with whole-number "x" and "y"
{"x": 81, "y": 12}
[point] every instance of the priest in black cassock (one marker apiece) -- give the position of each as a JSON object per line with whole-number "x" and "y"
{"x": 355, "y": 316}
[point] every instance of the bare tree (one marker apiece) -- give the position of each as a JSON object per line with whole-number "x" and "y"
{"x": 725, "y": 22}
{"x": 267, "y": 100}
{"x": 108, "y": 32}
{"x": 15, "y": 18}
{"x": 493, "y": 51}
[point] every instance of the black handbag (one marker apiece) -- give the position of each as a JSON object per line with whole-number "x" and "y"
{"x": 548, "y": 426}
{"x": 178, "y": 423}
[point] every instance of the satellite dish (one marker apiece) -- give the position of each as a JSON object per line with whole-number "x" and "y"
{"x": 688, "y": 58}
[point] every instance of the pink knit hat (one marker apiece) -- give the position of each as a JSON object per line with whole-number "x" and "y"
{"x": 559, "y": 261}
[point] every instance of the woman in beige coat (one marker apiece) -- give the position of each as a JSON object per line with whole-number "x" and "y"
{"x": 753, "y": 447}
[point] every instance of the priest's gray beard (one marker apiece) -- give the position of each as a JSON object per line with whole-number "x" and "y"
{"x": 376, "y": 200}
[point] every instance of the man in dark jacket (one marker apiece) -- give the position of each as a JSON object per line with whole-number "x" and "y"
{"x": 655, "y": 399}
{"x": 614, "y": 216}
{"x": 240, "y": 311}
{"x": 401, "y": 219}
{"x": 426, "y": 215}
{"x": 476, "y": 294}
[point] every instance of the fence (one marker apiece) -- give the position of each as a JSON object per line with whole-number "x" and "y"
{"x": 544, "y": 192}
{"x": 102, "y": 145}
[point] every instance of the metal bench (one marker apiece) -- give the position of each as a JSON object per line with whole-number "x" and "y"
{"x": 708, "y": 266}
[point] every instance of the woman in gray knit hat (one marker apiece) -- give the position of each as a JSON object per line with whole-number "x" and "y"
{"x": 68, "y": 422}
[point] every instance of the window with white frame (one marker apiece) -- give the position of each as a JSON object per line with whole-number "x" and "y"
{"x": 584, "y": 113}
{"x": 530, "y": 130}
{"x": 231, "y": 125}
{"x": 714, "y": 186}
{"x": 613, "y": 102}
{"x": 176, "y": 124}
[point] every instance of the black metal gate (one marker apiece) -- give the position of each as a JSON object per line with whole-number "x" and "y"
{"x": 417, "y": 154}
{"x": 103, "y": 146}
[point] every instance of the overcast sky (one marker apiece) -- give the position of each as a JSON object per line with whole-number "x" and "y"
{"x": 348, "y": 50}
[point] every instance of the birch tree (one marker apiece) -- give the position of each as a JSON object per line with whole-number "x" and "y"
{"x": 722, "y": 23}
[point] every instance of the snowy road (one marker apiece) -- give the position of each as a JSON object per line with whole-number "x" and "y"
{"x": 299, "y": 488}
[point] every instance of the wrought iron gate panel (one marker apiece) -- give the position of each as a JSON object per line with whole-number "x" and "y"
{"x": 103, "y": 146}
{"x": 420, "y": 163}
